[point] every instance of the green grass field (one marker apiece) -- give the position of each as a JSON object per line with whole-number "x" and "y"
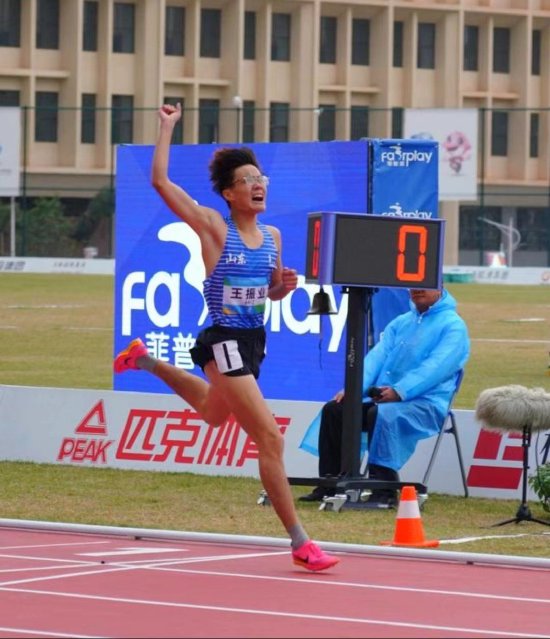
{"x": 57, "y": 331}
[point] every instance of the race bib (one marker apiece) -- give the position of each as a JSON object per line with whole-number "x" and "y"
{"x": 244, "y": 295}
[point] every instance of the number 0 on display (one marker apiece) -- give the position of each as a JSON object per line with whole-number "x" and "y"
{"x": 420, "y": 272}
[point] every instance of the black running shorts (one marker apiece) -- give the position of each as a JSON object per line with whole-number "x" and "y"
{"x": 236, "y": 351}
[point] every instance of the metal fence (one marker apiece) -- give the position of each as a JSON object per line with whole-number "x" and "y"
{"x": 69, "y": 153}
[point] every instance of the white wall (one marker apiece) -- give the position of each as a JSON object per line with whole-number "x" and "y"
{"x": 158, "y": 432}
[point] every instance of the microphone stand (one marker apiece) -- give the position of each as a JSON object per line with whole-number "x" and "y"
{"x": 524, "y": 512}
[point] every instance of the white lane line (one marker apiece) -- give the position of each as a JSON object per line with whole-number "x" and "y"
{"x": 477, "y": 632}
{"x": 45, "y": 633}
{"x": 75, "y": 543}
{"x": 172, "y": 565}
{"x": 101, "y": 569}
{"x": 348, "y": 584}
{"x": 33, "y": 569}
{"x": 73, "y": 562}
{"x": 131, "y": 551}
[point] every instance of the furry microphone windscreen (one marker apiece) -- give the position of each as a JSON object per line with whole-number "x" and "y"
{"x": 513, "y": 407}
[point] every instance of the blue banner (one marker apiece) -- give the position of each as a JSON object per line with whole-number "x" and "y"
{"x": 404, "y": 183}
{"x": 405, "y": 178}
{"x": 159, "y": 271}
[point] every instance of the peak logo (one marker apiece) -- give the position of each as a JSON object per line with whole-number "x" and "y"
{"x": 496, "y": 461}
{"x": 397, "y": 157}
{"x": 87, "y": 446}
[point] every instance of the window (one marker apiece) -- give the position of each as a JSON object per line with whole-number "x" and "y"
{"x": 249, "y": 35}
{"x": 209, "y": 117}
{"x": 89, "y": 26}
{"x": 47, "y": 24}
{"x": 9, "y": 98}
{"x": 10, "y": 23}
{"x": 174, "y": 31}
{"x": 534, "y": 135}
{"x": 501, "y": 50}
{"x": 87, "y": 118}
{"x": 122, "y": 119}
{"x": 499, "y": 133}
{"x": 124, "y": 28}
{"x": 327, "y": 49}
{"x": 533, "y": 225}
{"x": 327, "y": 122}
{"x": 177, "y": 133}
{"x": 360, "y": 41}
{"x": 471, "y": 48}
{"x": 474, "y": 234}
{"x": 397, "y": 122}
{"x": 279, "y": 121}
{"x": 468, "y": 223}
{"x": 280, "y": 37}
{"x": 397, "y": 44}
{"x": 425, "y": 58}
{"x": 535, "y": 52}
{"x": 211, "y": 21}
{"x": 45, "y": 121}
{"x": 249, "y": 112}
{"x": 359, "y": 122}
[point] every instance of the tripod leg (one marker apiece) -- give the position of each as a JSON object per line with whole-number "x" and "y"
{"x": 515, "y": 520}
{"x": 540, "y": 521}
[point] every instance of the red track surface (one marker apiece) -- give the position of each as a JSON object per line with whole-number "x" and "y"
{"x": 80, "y": 585}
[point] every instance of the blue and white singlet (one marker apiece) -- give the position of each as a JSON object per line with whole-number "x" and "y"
{"x": 236, "y": 290}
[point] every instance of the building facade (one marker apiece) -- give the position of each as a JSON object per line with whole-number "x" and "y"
{"x": 90, "y": 74}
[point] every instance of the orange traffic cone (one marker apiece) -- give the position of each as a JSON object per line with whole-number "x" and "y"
{"x": 408, "y": 526}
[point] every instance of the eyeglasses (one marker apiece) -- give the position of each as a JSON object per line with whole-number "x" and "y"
{"x": 253, "y": 179}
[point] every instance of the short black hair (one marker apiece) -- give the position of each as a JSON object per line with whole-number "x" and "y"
{"x": 225, "y": 161}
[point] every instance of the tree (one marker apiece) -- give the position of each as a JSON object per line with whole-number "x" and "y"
{"x": 101, "y": 207}
{"x": 46, "y": 230}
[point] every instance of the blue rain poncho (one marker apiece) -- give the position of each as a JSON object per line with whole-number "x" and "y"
{"x": 419, "y": 356}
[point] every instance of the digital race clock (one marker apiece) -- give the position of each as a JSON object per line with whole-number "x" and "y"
{"x": 356, "y": 249}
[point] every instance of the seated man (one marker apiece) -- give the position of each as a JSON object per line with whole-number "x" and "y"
{"x": 414, "y": 367}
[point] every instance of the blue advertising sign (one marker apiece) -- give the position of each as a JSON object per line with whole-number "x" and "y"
{"x": 404, "y": 183}
{"x": 159, "y": 272}
{"x": 404, "y": 177}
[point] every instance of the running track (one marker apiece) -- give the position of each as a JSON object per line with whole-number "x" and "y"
{"x": 64, "y": 580}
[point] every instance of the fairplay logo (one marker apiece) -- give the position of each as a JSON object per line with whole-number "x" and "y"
{"x": 193, "y": 274}
{"x": 398, "y": 158}
{"x": 90, "y": 443}
{"x": 396, "y": 210}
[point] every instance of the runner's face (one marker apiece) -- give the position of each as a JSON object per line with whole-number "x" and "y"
{"x": 249, "y": 189}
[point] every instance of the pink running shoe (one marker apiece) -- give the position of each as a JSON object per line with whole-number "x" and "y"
{"x": 311, "y": 557}
{"x": 126, "y": 359}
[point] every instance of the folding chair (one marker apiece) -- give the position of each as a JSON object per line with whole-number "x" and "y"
{"x": 449, "y": 426}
